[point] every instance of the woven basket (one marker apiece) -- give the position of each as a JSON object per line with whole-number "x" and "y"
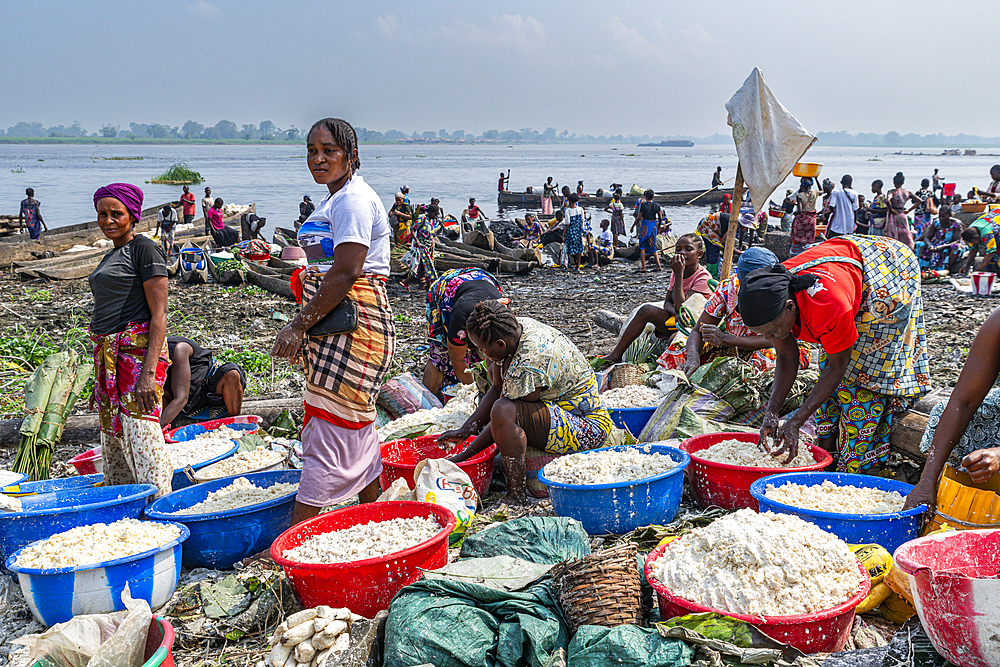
{"x": 624, "y": 375}
{"x": 600, "y": 589}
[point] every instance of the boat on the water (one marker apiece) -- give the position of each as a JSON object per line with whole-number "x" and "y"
{"x": 670, "y": 143}
{"x": 675, "y": 198}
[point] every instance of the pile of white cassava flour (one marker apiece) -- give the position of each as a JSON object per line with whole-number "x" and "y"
{"x": 749, "y": 455}
{"x": 609, "y": 466}
{"x": 367, "y": 540}
{"x": 828, "y": 497}
{"x": 760, "y": 564}
{"x": 632, "y": 396}
{"x": 241, "y": 493}
{"x": 97, "y": 543}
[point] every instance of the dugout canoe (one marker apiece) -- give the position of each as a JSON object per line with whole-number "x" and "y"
{"x": 675, "y": 198}
{"x": 275, "y": 283}
{"x": 18, "y": 248}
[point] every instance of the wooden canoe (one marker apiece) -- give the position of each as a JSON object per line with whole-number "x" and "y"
{"x": 81, "y": 270}
{"x": 675, "y": 198}
{"x": 276, "y": 284}
{"x": 19, "y": 249}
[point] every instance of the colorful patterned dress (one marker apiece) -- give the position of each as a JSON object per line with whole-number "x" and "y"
{"x": 440, "y": 302}
{"x": 547, "y": 360}
{"x": 889, "y": 367}
{"x": 419, "y": 259}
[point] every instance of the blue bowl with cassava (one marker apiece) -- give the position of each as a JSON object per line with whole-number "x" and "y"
{"x": 180, "y": 480}
{"x": 623, "y": 506}
{"x": 888, "y": 530}
{"x": 45, "y": 514}
{"x": 55, "y": 595}
{"x": 53, "y": 485}
{"x": 220, "y": 539}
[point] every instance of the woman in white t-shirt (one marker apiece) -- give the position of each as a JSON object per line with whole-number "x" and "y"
{"x": 344, "y": 371}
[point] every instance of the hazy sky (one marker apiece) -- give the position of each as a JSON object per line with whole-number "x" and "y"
{"x": 586, "y": 66}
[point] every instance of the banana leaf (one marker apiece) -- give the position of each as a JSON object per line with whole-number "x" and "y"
{"x": 52, "y": 420}
{"x": 83, "y": 372}
{"x": 37, "y": 390}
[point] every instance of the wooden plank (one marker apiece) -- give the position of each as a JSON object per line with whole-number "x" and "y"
{"x": 907, "y": 430}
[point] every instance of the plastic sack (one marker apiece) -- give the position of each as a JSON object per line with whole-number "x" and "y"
{"x": 94, "y": 640}
{"x": 698, "y": 402}
{"x": 539, "y": 539}
{"x": 404, "y": 394}
{"x": 625, "y": 645}
{"x": 442, "y": 482}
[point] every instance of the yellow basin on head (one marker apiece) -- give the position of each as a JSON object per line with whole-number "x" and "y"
{"x": 807, "y": 169}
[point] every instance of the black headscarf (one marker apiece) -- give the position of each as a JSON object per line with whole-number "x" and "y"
{"x": 763, "y": 295}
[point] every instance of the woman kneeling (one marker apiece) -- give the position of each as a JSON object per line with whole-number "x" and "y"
{"x": 543, "y": 394}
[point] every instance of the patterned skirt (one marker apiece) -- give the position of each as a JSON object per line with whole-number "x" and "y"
{"x": 344, "y": 372}
{"x": 578, "y": 422}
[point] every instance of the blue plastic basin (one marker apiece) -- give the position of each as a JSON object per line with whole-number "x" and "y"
{"x": 887, "y": 530}
{"x": 622, "y": 507}
{"x": 58, "y": 594}
{"x": 220, "y": 539}
{"x": 631, "y": 419}
{"x": 180, "y": 480}
{"x": 45, "y": 514}
{"x": 54, "y": 485}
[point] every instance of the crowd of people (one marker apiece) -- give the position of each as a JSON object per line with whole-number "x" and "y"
{"x": 855, "y": 296}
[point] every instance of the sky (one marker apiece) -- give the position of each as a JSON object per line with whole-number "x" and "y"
{"x": 642, "y": 68}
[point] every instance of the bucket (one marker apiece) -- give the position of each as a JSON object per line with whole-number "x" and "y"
{"x": 953, "y": 576}
{"x": 948, "y": 190}
{"x": 982, "y": 282}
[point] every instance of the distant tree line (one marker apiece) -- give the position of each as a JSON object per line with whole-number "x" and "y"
{"x": 227, "y": 130}
{"x": 223, "y": 130}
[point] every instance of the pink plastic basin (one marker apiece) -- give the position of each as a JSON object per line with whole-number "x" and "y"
{"x": 728, "y": 486}
{"x": 400, "y": 459}
{"x": 955, "y": 579}
{"x": 821, "y": 632}
{"x": 88, "y": 463}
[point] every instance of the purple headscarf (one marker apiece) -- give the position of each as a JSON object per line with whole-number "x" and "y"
{"x": 127, "y": 194}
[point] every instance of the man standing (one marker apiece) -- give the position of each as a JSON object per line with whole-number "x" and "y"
{"x": 717, "y": 178}
{"x": 843, "y": 204}
{"x": 936, "y": 182}
{"x": 306, "y": 208}
{"x": 187, "y": 205}
{"x": 504, "y": 180}
{"x": 30, "y": 217}
{"x": 405, "y": 191}
{"x": 207, "y": 202}
{"x": 166, "y": 220}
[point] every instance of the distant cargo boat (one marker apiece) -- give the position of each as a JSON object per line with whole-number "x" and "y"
{"x": 676, "y": 198}
{"x": 670, "y": 143}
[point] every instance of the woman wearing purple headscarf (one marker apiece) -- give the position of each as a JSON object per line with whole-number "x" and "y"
{"x": 129, "y": 327}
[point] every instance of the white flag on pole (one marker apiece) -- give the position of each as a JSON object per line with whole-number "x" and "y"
{"x": 769, "y": 140}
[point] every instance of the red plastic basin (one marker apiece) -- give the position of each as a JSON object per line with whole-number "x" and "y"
{"x": 955, "y": 579}
{"x": 159, "y": 644}
{"x": 400, "y": 458}
{"x": 88, "y": 463}
{"x": 366, "y": 586}
{"x": 821, "y": 632}
{"x": 727, "y": 486}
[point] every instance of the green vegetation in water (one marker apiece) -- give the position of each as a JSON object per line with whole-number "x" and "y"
{"x": 17, "y": 169}
{"x": 126, "y": 158}
{"x": 41, "y": 159}
{"x": 179, "y": 174}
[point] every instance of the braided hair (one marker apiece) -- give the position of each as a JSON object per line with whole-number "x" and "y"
{"x": 490, "y": 321}
{"x": 694, "y": 239}
{"x": 344, "y": 136}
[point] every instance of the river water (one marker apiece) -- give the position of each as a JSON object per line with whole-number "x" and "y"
{"x": 275, "y": 177}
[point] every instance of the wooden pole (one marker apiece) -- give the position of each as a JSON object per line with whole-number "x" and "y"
{"x": 734, "y": 223}
{"x": 707, "y": 191}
